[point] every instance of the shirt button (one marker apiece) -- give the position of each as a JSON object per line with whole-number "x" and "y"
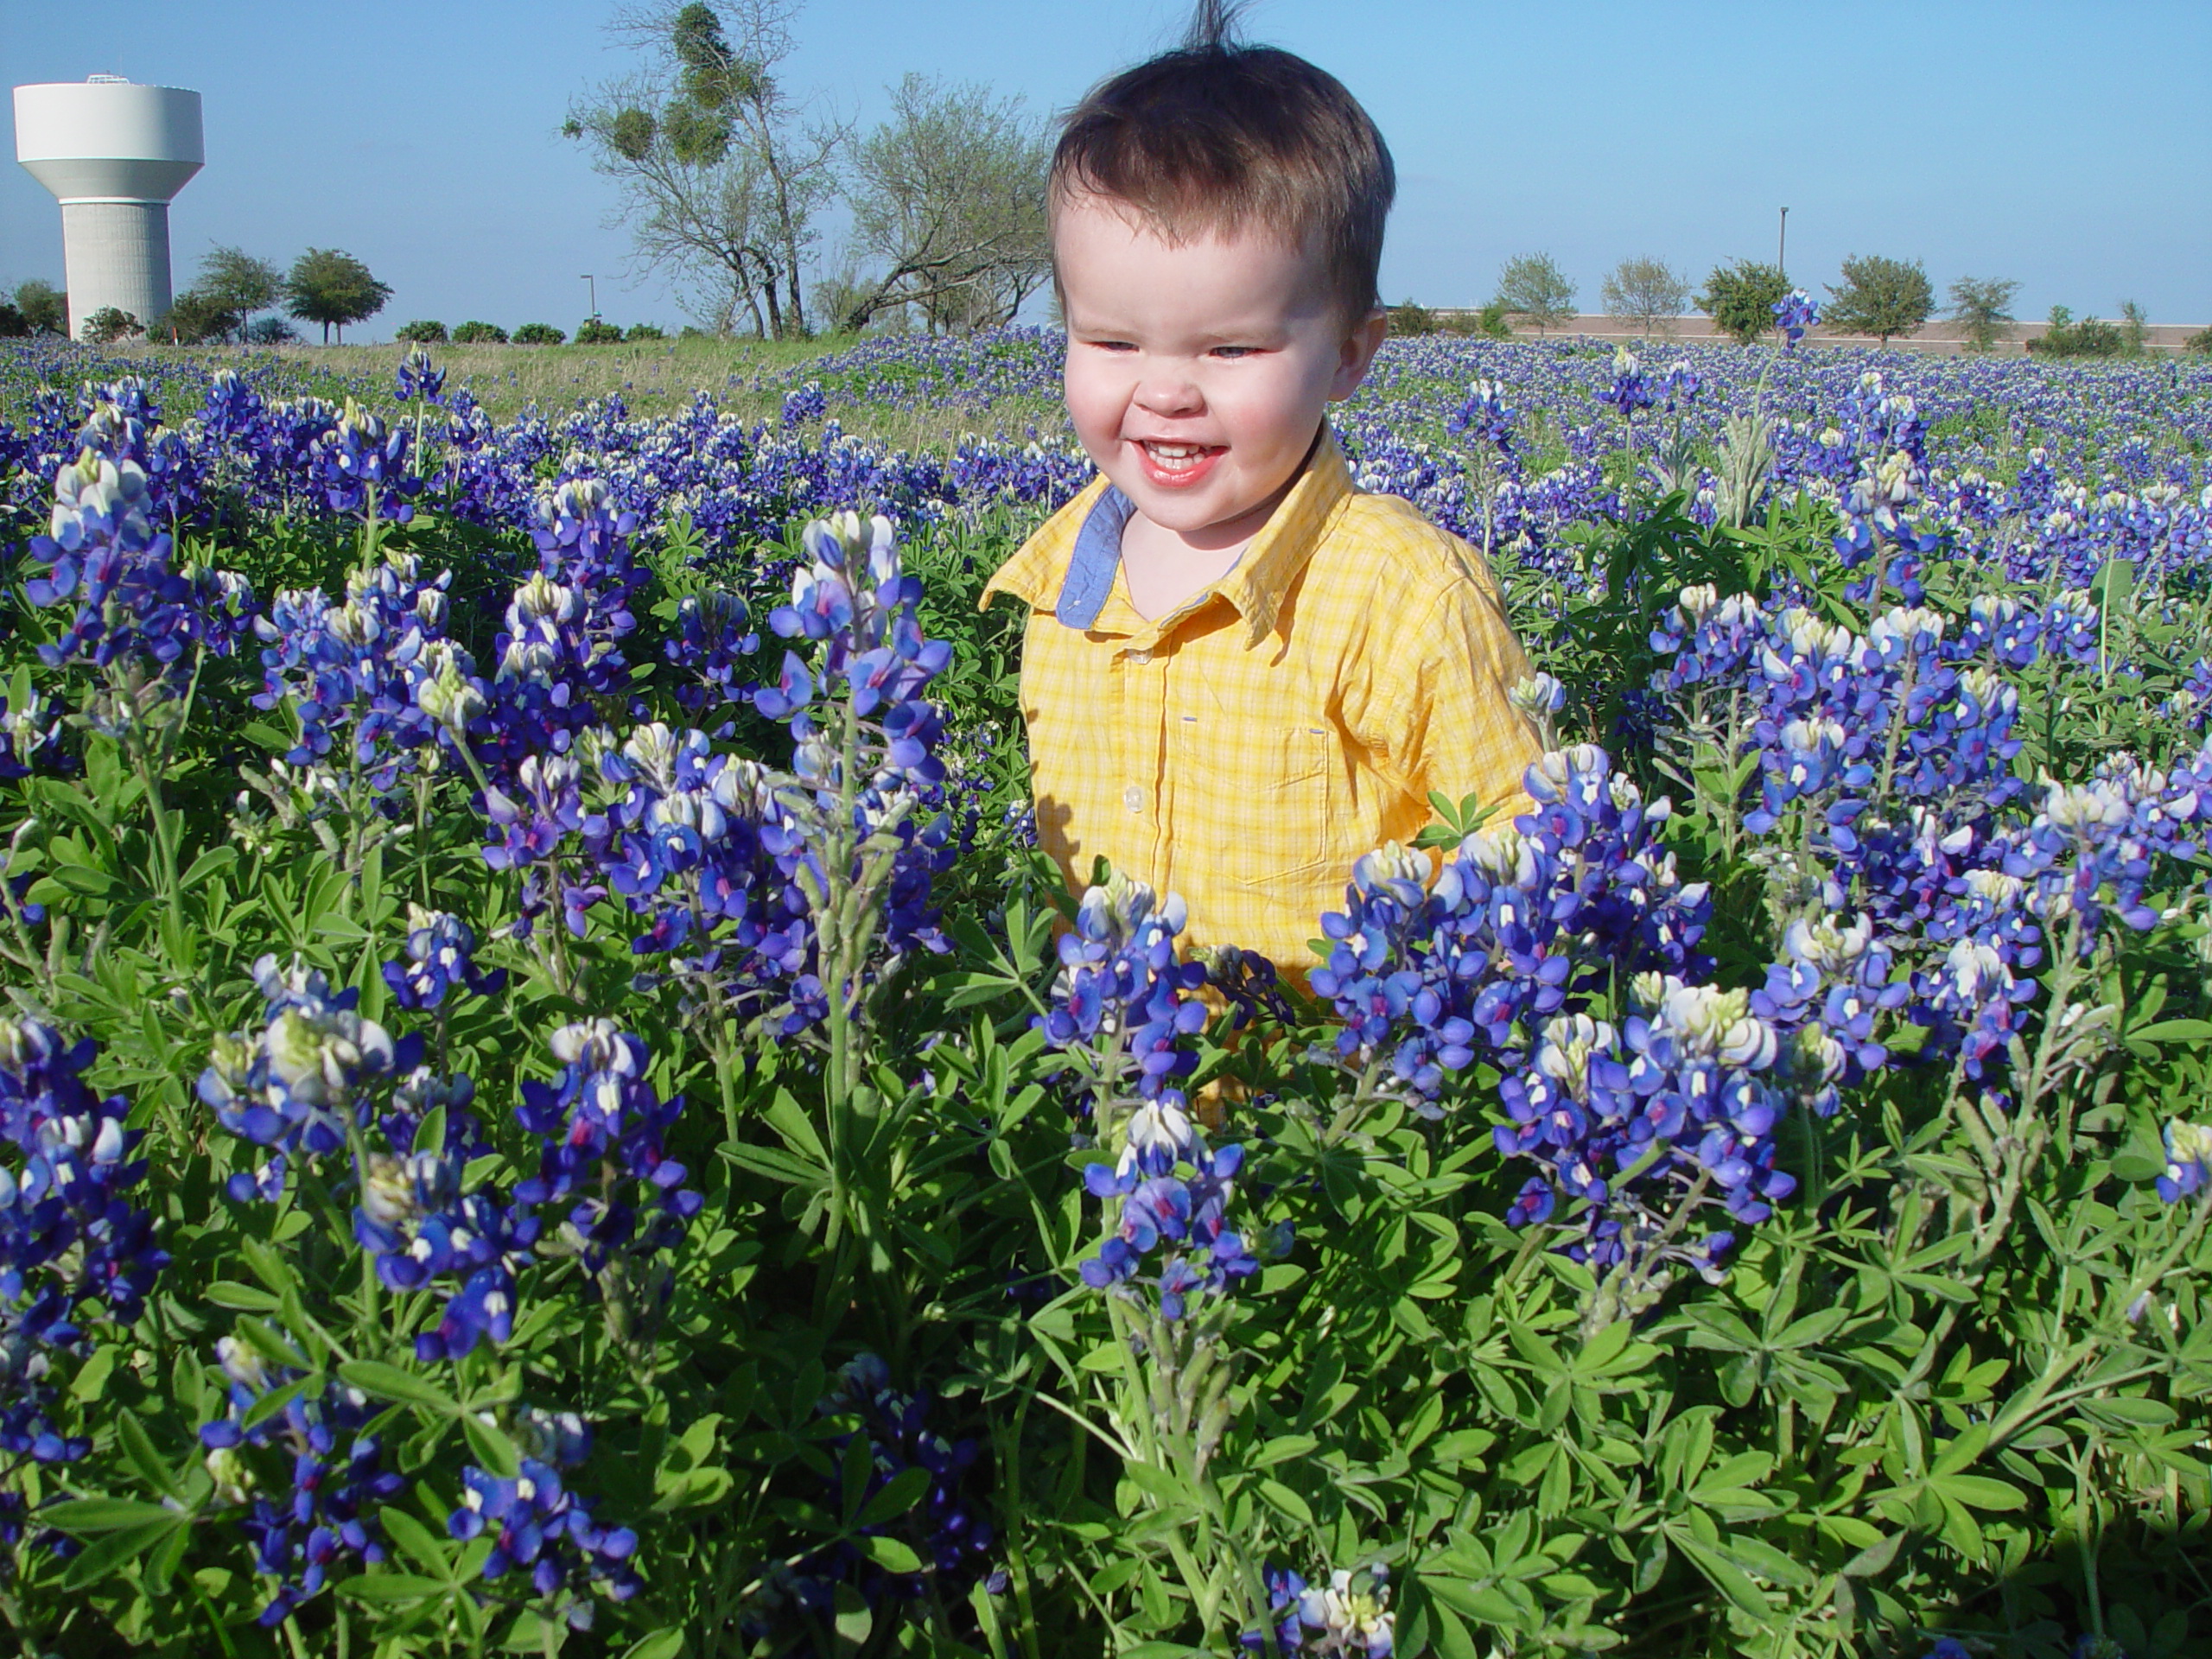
{"x": 1140, "y": 655}
{"x": 1133, "y": 797}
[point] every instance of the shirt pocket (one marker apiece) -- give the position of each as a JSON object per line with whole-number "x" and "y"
{"x": 1271, "y": 795}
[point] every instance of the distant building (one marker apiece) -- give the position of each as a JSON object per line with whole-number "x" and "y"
{"x": 113, "y": 154}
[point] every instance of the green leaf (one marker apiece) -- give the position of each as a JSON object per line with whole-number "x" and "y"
{"x": 391, "y": 1587}
{"x": 853, "y": 1621}
{"x": 661, "y": 1644}
{"x": 493, "y": 1450}
{"x": 82, "y": 1517}
{"x": 243, "y": 1298}
{"x": 904, "y": 1490}
{"x": 1289, "y": 1503}
{"x": 892, "y": 1555}
{"x": 390, "y": 1383}
{"x": 416, "y": 1540}
{"x": 138, "y": 1447}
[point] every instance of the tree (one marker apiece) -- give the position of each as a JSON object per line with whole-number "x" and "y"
{"x": 1646, "y": 291}
{"x": 2200, "y": 342}
{"x": 14, "y": 325}
{"x": 538, "y": 333}
{"x": 720, "y": 174}
{"x": 948, "y": 194}
{"x": 1532, "y": 285}
{"x": 421, "y": 334}
{"x": 333, "y": 289}
{"x": 2090, "y": 337}
{"x": 1740, "y": 298}
{"x": 1881, "y": 297}
{"x": 1409, "y": 318}
{"x": 45, "y": 307}
{"x": 110, "y": 324}
{"x": 1983, "y": 305}
{"x": 196, "y": 317}
{"x": 239, "y": 283}
{"x": 271, "y": 331}
{"x": 479, "y": 334}
{"x": 644, "y": 331}
{"x": 2134, "y": 327}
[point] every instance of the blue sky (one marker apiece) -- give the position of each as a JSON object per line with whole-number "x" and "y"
{"x": 2063, "y": 145}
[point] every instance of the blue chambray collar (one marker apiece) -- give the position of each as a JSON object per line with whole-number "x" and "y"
{"x": 1095, "y": 558}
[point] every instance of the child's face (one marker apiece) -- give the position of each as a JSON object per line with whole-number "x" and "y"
{"x": 1197, "y": 372}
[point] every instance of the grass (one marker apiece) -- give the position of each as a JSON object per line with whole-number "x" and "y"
{"x": 655, "y": 378}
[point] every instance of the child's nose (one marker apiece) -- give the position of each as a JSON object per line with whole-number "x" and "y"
{"x": 1169, "y": 392}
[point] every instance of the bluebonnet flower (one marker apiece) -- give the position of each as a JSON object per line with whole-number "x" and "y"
{"x": 948, "y": 1529}
{"x": 361, "y": 466}
{"x": 441, "y": 955}
{"x": 322, "y": 1512}
{"x": 30, "y": 737}
{"x": 356, "y": 671}
{"x": 1631, "y": 392}
{"x": 2189, "y": 1160}
{"x": 418, "y": 378}
{"x": 1519, "y": 920}
{"x": 710, "y": 643}
{"x": 71, "y": 1240}
{"x": 1485, "y": 417}
{"x": 1347, "y": 1616}
{"x": 1184, "y": 1216}
{"x": 309, "y": 1074}
{"x": 103, "y": 552}
{"x": 1120, "y": 978}
{"x": 1794, "y": 313}
{"x": 807, "y": 403}
{"x": 601, "y": 1123}
{"x": 541, "y": 1528}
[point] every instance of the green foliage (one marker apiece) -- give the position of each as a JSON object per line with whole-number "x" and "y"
{"x": 1740, "y": 298}
{"x": 333, "y": 288}
{"x": 1984, "y": 304}
{"x": 110, "y": 324}
{"x": 421, "y": 333}
{"x": 2090, "y": 337}
{"x": 592, "y": 332}
{"x": 1646, "y": 291}
{"x": 1408, "y": 318}
{"x": 538, "y": 333}
{"x": 238, "y": 283}
{"x": 1880, "y": 296}
{"x": 630, "y": 132}
{"x": 1533, "y": 287}
{"x": 644, "y": 331}
{"x": 270, "y": 330}
{"x": 45, "y": 307}
{"x": 14, "y": 325}
{"x": 196, "y": 317}
{"x": 479, "y": 334}
{"x": 1958, "y": 1383}
{"x": 2201, "y": 341}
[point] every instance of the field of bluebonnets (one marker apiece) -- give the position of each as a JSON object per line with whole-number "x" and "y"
{"x": 550, "y": 1105}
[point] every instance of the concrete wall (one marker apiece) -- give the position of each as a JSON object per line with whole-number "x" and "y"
{"x": 117, "y": 254}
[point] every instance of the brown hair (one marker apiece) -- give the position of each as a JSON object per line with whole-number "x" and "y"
{"x": 1217, "y": 135}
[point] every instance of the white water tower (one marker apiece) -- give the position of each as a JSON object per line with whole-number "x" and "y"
{"x": 114, "y": 154}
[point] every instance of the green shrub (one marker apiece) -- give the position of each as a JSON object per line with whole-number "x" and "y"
{"x": 421, "y": 333}
{"x": 45, "y": 307}
{"x": 1881, "y": 297}
{"x": 110, "y": 324}
{"x": 14, "y": 325}
{"x": 1408, "y": 318}
{"x": 479, "y": 334}
{"x": 538, "y": 333}
{"x": 644, "y": 331}
{"x": 271, "y": 331}
{"x": 1740, "y": 298}
{"x": 196, "y": 317}
{"x": 2200, "y": 342}
{"x": 592, "y": 332}
{"x": 2091, "y": 337}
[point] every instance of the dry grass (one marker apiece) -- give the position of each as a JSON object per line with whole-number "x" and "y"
{"x": 657, "y": 378}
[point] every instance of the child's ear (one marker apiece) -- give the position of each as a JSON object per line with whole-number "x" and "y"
{"x": 1360, "y": 345}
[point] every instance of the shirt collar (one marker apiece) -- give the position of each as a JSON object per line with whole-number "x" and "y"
{"x": 1254, "y": 588}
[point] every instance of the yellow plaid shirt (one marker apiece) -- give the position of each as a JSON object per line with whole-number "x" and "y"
{"x": 1245, "y": 749}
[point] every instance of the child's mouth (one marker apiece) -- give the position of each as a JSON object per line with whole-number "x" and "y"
{"x": 1177, "y": 466}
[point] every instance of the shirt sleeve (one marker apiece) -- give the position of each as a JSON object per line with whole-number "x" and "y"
{"x": 1440, "y": 719}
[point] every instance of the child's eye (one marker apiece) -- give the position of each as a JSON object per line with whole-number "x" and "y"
{"x": 1231, "y": 351}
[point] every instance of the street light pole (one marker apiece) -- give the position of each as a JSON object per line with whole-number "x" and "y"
{"x": 1782, "y": 244}
{"x": 594, "y": 280}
